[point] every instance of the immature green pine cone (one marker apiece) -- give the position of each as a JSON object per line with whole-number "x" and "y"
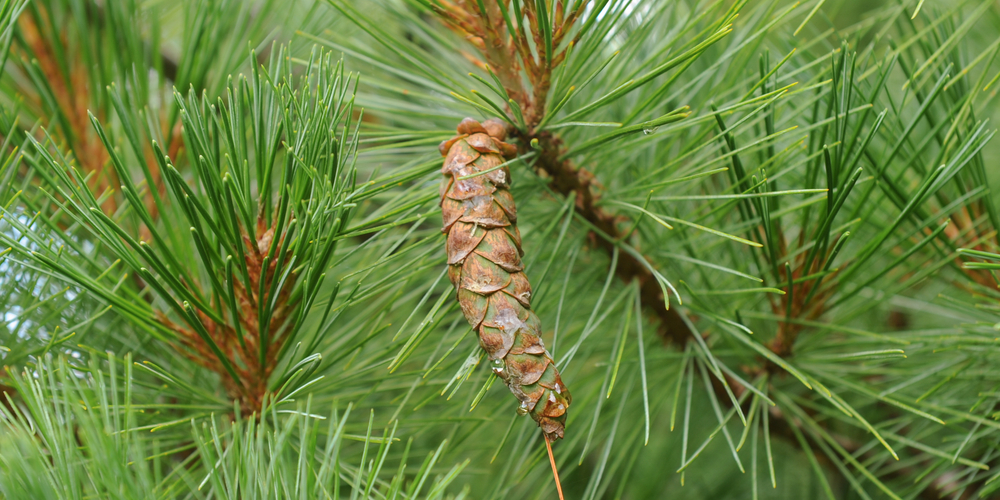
{"x": 484, "y": 259}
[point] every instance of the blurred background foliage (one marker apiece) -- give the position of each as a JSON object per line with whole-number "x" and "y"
{"x": 223, "y": 275}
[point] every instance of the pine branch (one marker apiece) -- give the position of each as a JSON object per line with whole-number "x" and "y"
{"x": 489, "y": 30}
{"x": 258, "y": 265}
{"x": 569, "y": 180}
{"x": 827, "y": 219}
{"x": 806, "y": 274}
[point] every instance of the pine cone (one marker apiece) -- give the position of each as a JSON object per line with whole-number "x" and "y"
{"x": 484, "y": 259}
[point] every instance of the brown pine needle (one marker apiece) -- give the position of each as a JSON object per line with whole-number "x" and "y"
{"x": 555, "y": 471}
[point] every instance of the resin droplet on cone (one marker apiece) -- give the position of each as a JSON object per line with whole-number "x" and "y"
{"x": 484, "y": 258}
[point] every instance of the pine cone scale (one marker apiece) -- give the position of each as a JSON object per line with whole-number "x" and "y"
{"x": 484, "y": 211}
{"x": 481, "y": 276}
{"x": 483, "y": 143}
{"x": 463, "y": 238}
{"x": 500, "y": 249}
{"x": 473, "y": 305}
{"x": 504, "y": 199}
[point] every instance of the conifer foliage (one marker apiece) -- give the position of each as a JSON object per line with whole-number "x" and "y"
{"x": 761, "y": 236}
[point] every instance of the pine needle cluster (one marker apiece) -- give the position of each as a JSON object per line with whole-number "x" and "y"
{"x": 761, "y": 240}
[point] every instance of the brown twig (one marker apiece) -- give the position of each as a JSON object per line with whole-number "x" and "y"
{"x": 68, "y": 91}
{"x": 68, "y": 86}
{"x": 243, "y": 348}
{"x": 568, "y": 179}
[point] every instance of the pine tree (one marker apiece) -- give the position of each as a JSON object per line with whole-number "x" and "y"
{"x": 760, "y": 237}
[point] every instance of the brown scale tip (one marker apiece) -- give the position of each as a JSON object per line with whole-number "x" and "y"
{"x": 470, "y": 126}
{"x": 496, "y": 129}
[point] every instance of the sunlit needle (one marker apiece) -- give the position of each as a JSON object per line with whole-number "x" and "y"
{"x": 555, "y": 471}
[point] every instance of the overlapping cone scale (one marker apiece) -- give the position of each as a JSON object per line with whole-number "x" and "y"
{"x": 484, "y": 259}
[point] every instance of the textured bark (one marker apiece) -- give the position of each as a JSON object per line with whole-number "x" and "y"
{"x": 484, "y": 259}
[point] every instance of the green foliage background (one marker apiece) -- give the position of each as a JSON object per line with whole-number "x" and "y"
{"x": 844, "y": 146}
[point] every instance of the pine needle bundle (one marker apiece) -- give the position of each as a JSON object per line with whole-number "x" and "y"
{"x": 761, "y": 237}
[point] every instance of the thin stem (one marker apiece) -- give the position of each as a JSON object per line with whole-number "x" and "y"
{"x": 555, "y": 470}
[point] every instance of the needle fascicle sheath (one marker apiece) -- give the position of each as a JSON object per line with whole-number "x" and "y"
{"x": 484, "y": 259}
